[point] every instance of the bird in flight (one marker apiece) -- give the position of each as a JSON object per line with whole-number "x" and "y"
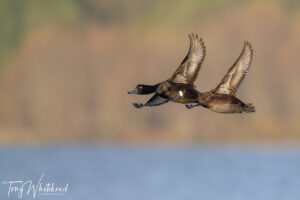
{"x": 182, "y": 79}
{"x": 223, "y": 98}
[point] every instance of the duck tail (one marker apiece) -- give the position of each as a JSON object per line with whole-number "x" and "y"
{"x": 249, "y": 108}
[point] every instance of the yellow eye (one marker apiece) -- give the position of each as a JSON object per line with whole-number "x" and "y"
{"x": 141, "y": 87}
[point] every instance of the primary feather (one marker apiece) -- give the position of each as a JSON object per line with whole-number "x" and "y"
{"x": 236, "y": 74}
{"x": 188, "y": 70}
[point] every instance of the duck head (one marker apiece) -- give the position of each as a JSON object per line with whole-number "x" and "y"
{"x": 143, "y": 89}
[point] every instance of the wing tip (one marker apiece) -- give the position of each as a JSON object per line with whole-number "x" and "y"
{"x": 195, "y": 40}
{"x": 248, "y": 47}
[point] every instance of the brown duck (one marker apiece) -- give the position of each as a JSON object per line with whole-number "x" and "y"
{"x": 222, "y": 99}
{"x": 182, "y": 79}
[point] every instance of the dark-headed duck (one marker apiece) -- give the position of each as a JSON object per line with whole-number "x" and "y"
{"x": 182, "y": 79}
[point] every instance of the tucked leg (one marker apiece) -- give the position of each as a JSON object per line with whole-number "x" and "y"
{"x": 138, "y": 105}
{"x": 190, "y": 106}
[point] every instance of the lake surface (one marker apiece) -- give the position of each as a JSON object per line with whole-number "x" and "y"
{"x": 153, "y": 173}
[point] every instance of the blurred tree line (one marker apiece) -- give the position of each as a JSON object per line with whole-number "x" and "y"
{"x": 18, "y": 17}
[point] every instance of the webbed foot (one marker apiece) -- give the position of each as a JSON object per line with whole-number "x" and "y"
{"x": 190, "y": 106}
{"x": 138, "y": 105}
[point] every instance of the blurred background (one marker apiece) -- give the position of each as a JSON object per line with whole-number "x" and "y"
{"x": 66, "y": 67}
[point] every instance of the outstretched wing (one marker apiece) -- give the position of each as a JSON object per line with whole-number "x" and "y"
{"x": 236, "y": 74}
{"x": 188, "y": 70}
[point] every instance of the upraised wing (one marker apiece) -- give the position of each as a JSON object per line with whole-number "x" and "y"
{"x": 188, "y": 70}
{"x": 236, "y": 74}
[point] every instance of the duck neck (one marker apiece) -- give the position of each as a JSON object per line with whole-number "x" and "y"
{"x": 148, "y": 89}
{"x": 201, "y": 98}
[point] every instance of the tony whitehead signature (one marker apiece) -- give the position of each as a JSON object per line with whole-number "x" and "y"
{"x": 22, "y": 188}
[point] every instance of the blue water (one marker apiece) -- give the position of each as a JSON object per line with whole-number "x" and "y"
{"x": 155, "y": 173}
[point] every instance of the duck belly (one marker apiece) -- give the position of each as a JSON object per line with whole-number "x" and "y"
{"x": 184, "y": 100}
{"x": 225, "y": 108}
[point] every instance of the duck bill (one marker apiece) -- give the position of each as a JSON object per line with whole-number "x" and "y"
{"x": 133, "y": 91}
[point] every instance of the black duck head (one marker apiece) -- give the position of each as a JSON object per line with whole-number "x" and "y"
{"x": 143, "y": 89}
